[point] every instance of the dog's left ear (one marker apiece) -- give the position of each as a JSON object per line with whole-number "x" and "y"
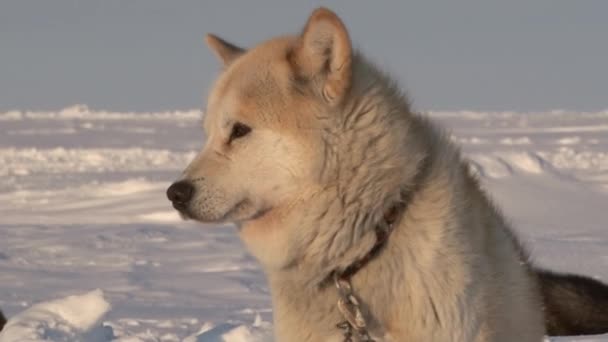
{"x": 225, "y": 51}
{"x": 323, "y": 55}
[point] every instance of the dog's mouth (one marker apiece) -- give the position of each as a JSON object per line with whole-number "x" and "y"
{"x": 184, "y": 214}
{"x": 242, "y": 211}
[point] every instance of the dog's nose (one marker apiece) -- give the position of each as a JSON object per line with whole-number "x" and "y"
{"x": 180, "y": 193}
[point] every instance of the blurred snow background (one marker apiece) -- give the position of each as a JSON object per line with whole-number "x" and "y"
{"x": 82, "y": 207}
{"x": 90, "y": 250}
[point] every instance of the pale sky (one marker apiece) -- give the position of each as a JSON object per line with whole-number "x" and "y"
{"x": 149, "y": 55}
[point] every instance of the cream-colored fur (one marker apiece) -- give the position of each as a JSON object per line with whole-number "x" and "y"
{"x": 333, "y": 145}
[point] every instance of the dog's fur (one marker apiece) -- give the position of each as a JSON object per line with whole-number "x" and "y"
{"x": 574, "y": 305}
{"x": 332, "y": 145}
{"x": 2, "y": 321}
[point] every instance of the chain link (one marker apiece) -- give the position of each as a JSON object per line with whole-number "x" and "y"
{"x": 348, "y": 305}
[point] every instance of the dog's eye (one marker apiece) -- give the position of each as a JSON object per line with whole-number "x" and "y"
{"x": 239, "y": 130}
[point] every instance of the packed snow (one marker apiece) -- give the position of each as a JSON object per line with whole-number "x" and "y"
{"x": 68, "y": 319}
{"x": 92, "y": 251}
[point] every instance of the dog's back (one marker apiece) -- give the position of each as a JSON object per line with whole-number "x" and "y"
{"x": 573, "y": 304}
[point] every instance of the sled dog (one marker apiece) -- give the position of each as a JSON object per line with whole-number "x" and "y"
{"x": 363, "y": 214}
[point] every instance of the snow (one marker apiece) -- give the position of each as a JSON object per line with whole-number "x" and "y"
{"x": 68, "y": 319}
{"x": 85, "y": 226}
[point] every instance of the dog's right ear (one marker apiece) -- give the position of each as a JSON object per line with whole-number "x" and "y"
{"x": 225, "y": 51}
{"x": 323, "y": 54}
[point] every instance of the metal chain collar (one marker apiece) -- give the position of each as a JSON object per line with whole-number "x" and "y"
{"x": 348, "y": 305}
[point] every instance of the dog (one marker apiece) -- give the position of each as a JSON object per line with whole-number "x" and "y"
{"x": 364, "y": 216}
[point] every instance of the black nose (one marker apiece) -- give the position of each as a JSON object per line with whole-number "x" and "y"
{"x": 180, "y": 193}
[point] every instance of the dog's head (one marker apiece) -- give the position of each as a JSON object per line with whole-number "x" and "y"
{"x": 264, "y": 121}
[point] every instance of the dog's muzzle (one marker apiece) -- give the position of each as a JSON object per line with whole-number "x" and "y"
{"x": 180, "y": 193}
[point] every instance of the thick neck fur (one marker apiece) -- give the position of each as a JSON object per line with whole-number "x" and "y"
{"x": 374, "y": 150}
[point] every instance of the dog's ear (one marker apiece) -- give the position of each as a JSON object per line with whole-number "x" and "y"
{"x": 225, "y": 51}
{"x": 323, "y": 54}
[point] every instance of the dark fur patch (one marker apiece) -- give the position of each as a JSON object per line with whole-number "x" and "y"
{"x": 2, "y": 321}
{"x": 573, "y": 304}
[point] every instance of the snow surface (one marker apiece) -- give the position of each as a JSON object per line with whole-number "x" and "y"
{"x": 75, "y": 318}
{"x": 85, "y": 226}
